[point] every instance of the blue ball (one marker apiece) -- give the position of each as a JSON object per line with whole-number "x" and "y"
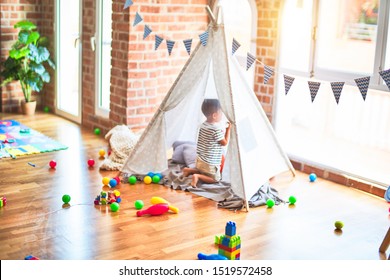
{"x": 312, "y": 177}
{"x": 151, "y": 174}
{"x": 118, "y": 199}
{"x": 113, "y": 183}
{"x": 159, "y": 175}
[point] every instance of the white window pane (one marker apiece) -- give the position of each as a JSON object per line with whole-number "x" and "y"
{"x": 347, "y": 32}
{"x": 296, "y": 35}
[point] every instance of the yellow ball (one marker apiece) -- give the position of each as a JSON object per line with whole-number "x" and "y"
{"x": 339, "y": 225}
{"x": 102, "y": 153}
{"x": 147, "y": 180}
{"x": 117, "y": 193}
{"x": 105, "y": 181}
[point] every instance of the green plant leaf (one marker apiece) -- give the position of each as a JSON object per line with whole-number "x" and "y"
{"x": 37, "y": 68}
{"x": 38, "y": 54}
{"x": 45, "y": 76}
{"x": 51, "y": 63}
{"x": 33, "y": 38}
{"x": 25, "y": 25}
{"x": 34, "y": 81}
{"x": 18, "y": 54}
{"x": 23, "y": 36}
{"x": 43, "y": 42}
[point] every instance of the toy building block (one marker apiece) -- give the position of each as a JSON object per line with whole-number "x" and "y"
{"x": 230, "y": 229}
{"x": 229, "y": 245}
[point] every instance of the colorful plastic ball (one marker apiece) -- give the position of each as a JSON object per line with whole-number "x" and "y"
{"x": 132, "y": 180}
{"x": 96, "y": 131}
{"x": 159, "y": 175}
{"x": 66, "y": 198}
{"x": 147, "y": 180}
{"x": 112, "y": 183}
{"x": 156, "y": 179}
{"x": 117, "y": 193}
{"x": 312, "y": 177}
{"x": 139, "y": 204}
{"x": 270, "y": 203}
{"x": 102, "y": 153}
{"x": 339, "y": 225}
{"x": 91, "y": 162}
{"x": 46, "y": 109}
{"x": 114, "y": 206}
{"x": 52, "y": 164}
{"x": 106, "y": 181}
{"x": 118, "y": 199}
{"x": 118, "y": 180}
{"x": 151, "y": 174}
{"x": 292, "y": 200}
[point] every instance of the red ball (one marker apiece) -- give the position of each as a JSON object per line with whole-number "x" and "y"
{"x": 118, "y": 180}
{"x": 53, "y": 164}
{"x": 91, "y": 162}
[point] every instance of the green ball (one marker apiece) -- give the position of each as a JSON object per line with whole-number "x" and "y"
{"x": 292, "y": 200}
{"x": 156, "y": 179}
{"x": 66, "y": 198}
{"x": 46, "y": 109}
{"x": 132, "y": 180}
{"x": 97, "y": 131}
{"x": 270, "y": 202}
{"x": 339, "y": 224}
{"x": 114, "y": 206}
{"x": 139, "y": 204}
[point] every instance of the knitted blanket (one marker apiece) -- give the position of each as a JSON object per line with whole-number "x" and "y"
{"x": 121, "y": 142}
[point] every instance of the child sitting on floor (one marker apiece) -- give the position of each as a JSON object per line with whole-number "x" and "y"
{"x": 211, "y": 138}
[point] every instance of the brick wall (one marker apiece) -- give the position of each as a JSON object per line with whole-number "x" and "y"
{"x": 267, "y": 41}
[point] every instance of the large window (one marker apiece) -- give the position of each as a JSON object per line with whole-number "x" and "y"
{"x": 336, "y": 41}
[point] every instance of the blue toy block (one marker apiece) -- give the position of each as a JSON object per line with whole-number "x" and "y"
{"x": 230, "y": 228}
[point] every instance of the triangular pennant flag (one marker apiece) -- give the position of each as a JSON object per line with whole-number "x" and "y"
{"x": 137, "y": 19}
{"x": 337, "y": 87}
{"x": 170, "y": 45}
{"x": 188, "y": 44}
{"x": 235, "y": 46}
{"x": 158, "y": 41}
{"x": 314, "y": 87}
{"x": 204, "y": 37}
{"x": 288, "y": 81}
{"x": 385, "y": 74}
{"x": 249, "y": 60}
{"x": 268, "y": 72}
{"x": 147, "y": 31}
{"x": 363, "y": 84}
{"x": 128, "y": 4}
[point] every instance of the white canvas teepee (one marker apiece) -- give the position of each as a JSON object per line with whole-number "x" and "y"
{"x": 253, "y": 154}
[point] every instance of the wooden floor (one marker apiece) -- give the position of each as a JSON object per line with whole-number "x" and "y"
{"x": 35, "y": 222}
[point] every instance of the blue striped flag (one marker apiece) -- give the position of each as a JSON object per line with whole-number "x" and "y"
{"x": 385, "y": 74}
{"x": 188, "y": 44}
{"x": 170, "y": 45}
{"x": 314, "y": 87}
{"x": 337, "y": 87}
{"x": 137, "y": 19}
{"x": 235, "y": 46}
{"x": 288, "y": 81}
{"x": 128, "y": 4}
{"x": 158, "y": 41}
{"x": 363, "y": 84}
{"x": 249, "y": 60}
{"x": 204, "y": 37}
{"x": 268, "y": 72}
{"x": 147, "y": 31}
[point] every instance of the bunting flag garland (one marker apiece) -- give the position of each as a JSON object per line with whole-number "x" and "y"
{"x": 188, "y": 44}
{"x": 288, "y": 81}
{"x": 158, "y": 41}
{"x": 385, "y": 74}
{"x": 147, "y": 31}
{"x": 337, "y": 87}
{"x": 268, "y": 72}
{"x": 235, "y": 46}
{"x": 249, "y": 60}
{"x": 170, "y": 45}
{"x": 363, "y": 84}
{"x": 137, "y": 19}
{"x": 314, "y": 87}
{"x": 128, "y": 4}
{"x": 204, "y": 37}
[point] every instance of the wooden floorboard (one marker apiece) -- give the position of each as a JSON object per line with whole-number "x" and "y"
{"x": 35, "y": 222}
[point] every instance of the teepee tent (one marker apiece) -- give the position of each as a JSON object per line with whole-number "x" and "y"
{"x": 253, "y": 154}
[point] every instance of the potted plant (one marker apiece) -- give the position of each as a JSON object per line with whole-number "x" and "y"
{"x": 26, "y": 63}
